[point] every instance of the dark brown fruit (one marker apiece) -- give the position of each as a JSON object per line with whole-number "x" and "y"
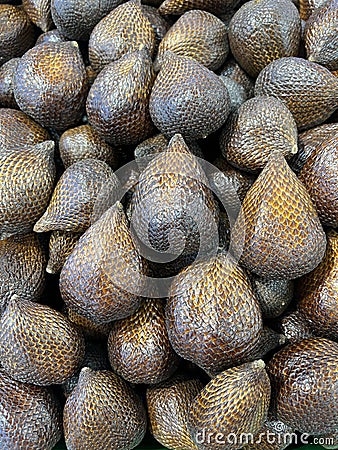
{"x": 103, "y": 412}
{"x": 239, "y": 85}
{"x": 160, "y": 213}
{"x": 74, "y": 197}
{"x": 139, "y": 348}
{"x": 268, "y": 341}
{"x": 318, "y": 293}
{"x": 159, "y": 24}
{"x": 304, "y": 382}
{"x": 178, "y": 7}
{"x": 84, "y": 142}
{"x": 213, "y": 317}
{"x": 176, "y": 108}
{"x": 38, "y": 345}
{"x": 184, "y": 39}
{"x": 104, "y": 276}
{"x": 168, "y": 407}
{"x": 308, "y": 141}
{"x": 51, "y": 36}
{"x": 320, "y": 177}
{"x": 96, "y": 358}
{"x": 258, "y": 128}
{"x": 31, "y": 416}
{"x": 27, "y": 179}
{"x": 16, "y": 32}
{"x": 125, "y": 30}
{"x": 17, "y": 130}
{"x": 294, "y": 327}
{"x": 88, "y": 327}
{"x": 278, "y": 233}
{"x": 307, "y": 7}
{"x": 321, "y": 37}
{"x": 274, "y": 435}
{"x": 7, "y": 72}
{"x": 233, "y": 403}
{"x": 75, "y": 20}
{"x": 118, "y": 101}
{"x": 61, "y": 245}
{"x": 274, "y": 296}
{"x": 23, "y": 265}
{"x": 51, "y": 84}
{"x": 262, "y": 31}
{"x": 39, "y": 13}
{"x": 309, "y": 90}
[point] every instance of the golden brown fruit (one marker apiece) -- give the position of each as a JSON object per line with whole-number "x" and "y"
{"x": 76, "y": 21}
{"x": 38, "y": 345}
{"x": 261, "y": 126}
{"x": 74, "y": 197}
{"x": 51, "y": 36}
{"x": 7, "y": 72}
{"x": 307, "y": 7}
{"x": 61, "y": 245}
{"x": 17, "y": 129}
{"x": 118, "y": 101}
{"x": 104, "y": 275}
{"x": 233, "y": 403}
{"x": 103, "y": 412}
{"x": 125, "y": 30}
{"x": 84, "y": 142}
{"x": 39, "y": 13}
{"x": 177, "y": 7}
{"x": 27, "y": 179}
{"x": 31, "y": 416}
{"x": 273, "y": 296}
{"x": 23, "y": 265}
{"x": 262, "y": 31}
{"x": 160, "y": 213}
{"x": 213, "y": 317}
{"x": 278, "y": 233}
{"x": 238, "y": 83}
{"x": 184, "y": 39}
{"x": 168, "y": 406}
{"x": 88, "y": 327}
{"x": 318, "y": 292}
{"x": 188, "y": 98}
{"x": 139, "y": 348}
{"x": 306, "y": 371}
{"x": 320, "y": 177}
{"x": 321, "y": 36}
{"x": 309, "y": 90}
{"x": 51, "y": 84}
{"x": 16, "y": 32}
{"x": 294, "y": 327}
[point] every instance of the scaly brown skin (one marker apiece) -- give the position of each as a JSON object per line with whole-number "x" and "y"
{"x": 320, "y": 36}
{"x": 184, "y": 39}
{"x": 51, "y": 36}
{"x": 307, "y": 7}
{"x": 125, "y": 30}
{"x": 168, "y": 407}
{"x": 213, "y": 318}
{"x": 310, "y": 91}
{"x": 178, "y": 7}
{"x": 17, "y": 129}
{"x": 61, "y": 245}
{"x": 23, "y": 265}
{"x": 88, "y": 327}
{"x": 73, "y": 200}
{"x": 274, "y": 296}
{"x": 304, "y": 381}
{"x": 39, "y": 13}
{"x": 16, "y": 32}
{"x": 38, "y": 345}
{"x": 263, "y": 31}
{"x": 318, "y": 293}
{"x": 159, "y": 24}
{"x": 7, "y": 72}
{"x": 42, "y": 86}
{"x": 259, "y": 127}
{"x": 118, "y": 101}
{"x": 103, "y": 277}
{"x": 320, "y": 177}
{"x": 30, "y": 415}
{"x": 27, "y": 179}
{"x": 139, "y": 347}
{"x": 234, "y": 402}
{"x": 84, "y": 142}
{"x": 103, "y": 412}
{"x": 174, "y": 105}
{"x": 295, "y": 328}
{"x": 278, "y": 233}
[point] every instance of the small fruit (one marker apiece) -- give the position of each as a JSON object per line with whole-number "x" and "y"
{"x": 274, "y": 296}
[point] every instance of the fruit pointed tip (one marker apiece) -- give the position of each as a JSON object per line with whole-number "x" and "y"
{"x": 85, "y": 374}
